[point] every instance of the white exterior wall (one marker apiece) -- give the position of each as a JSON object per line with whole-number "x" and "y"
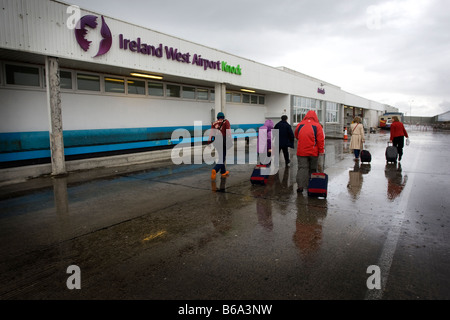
{"x": 372, "y": 118}
{"x": 377, "y": 106}
{"x": 355, "y": 101}
{"x": 248, "y": 115}
{"x": 27, "y": 111}
{"x": 110, "y": 112}
{"x": 277, "y": 105}
{"x": 40, "y": 27}
{"x": 23, "y": 110}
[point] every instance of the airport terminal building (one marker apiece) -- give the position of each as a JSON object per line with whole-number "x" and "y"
{"x": 83, "y": 86}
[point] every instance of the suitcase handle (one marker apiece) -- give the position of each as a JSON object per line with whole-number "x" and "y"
{"x": 390, "y": 143}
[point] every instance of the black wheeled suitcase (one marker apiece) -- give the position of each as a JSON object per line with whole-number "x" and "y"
{"x": 365, "y": 156}
{"x": 391, "y": 153}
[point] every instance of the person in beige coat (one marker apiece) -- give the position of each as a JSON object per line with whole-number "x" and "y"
{"x": 357, "y": 136}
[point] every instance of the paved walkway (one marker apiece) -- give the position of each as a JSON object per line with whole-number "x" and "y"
{"x": 169, "y": 232}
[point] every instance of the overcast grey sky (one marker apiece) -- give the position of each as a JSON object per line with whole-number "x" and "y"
{"x": 395, "y": 52}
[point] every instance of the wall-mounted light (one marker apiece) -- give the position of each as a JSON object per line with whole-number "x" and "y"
{"x": 114, "y": 80}
{"x": 148, "y": 76}
{"x": 248, "y": 90}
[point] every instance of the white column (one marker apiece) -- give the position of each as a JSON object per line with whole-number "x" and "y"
{"x": 55, "y": 116}
{"x": 221, "y": 98}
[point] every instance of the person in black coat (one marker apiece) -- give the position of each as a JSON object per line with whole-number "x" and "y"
{"x": 286, "y": 136}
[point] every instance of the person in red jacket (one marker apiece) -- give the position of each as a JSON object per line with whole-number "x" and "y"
{"x": 398, "y": 134}
{"x": 311, "y": 143}
{"x": 221, "y": 125}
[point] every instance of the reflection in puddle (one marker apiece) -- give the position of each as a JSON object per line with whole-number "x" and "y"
{"x": 222, "y": 185}
{"x": 60, "y": 194}
{"x": 396, "y": 181}
{"x": 308, "y": 226}
{"x": 355, "y": 180}
{"x": 278, "y": 188}
{"x": 262, "y": 195}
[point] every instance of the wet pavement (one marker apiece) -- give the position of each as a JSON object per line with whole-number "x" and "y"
{"x": 167, "y": 232}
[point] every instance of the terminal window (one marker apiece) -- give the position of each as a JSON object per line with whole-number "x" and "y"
{"x": 262, "y": 100}
{"x": 188, "y": 92}
{"x": 66, "y": 79}
{"x": 332, "y": 112}
{"x": 22, "y": 75}
{"x": 114, "y": 85}
{"x": 202, "y": 94}
{"x": 173, "y": 91}
{"x": 156, "y": 89}
{"x": 88, "y": 82}
{"x": 302, "y": 105}
{"x": 136, "y": 87}
{"x": 236, "y": 98}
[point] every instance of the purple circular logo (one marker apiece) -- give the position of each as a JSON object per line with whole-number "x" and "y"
{"x": 81, "y": 32}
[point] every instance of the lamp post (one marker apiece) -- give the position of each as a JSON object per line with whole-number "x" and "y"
{"x": 410, "y": 111}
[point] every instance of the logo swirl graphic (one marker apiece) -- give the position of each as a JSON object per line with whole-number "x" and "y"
{"x": 81, "y": 32}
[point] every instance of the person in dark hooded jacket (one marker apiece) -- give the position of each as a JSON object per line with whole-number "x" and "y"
{"x": 286, "y": 139}
{"x": 311, "y": 143}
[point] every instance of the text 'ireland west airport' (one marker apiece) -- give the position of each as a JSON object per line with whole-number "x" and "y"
{"x": 174, "y": 54}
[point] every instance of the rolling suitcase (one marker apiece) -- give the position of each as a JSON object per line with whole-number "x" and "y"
{"x": 318, "y": 185}
{"x": 365, "y": 156}
{"x": 257, "y": 177}
{"x": 391, "y": 153}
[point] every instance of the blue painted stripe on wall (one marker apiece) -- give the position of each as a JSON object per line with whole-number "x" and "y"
{"x": 24, "y": 141}
{"x": 29, "y": 141}
{"x": 86, "y": 149}
{"x": 26, "y": 155}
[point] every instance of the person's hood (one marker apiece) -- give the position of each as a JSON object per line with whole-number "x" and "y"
{"x": 311, "y": 116}
{"x": 268, "y": 124}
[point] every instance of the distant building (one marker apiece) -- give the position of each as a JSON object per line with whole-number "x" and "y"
{"x": 443, "y": 117}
